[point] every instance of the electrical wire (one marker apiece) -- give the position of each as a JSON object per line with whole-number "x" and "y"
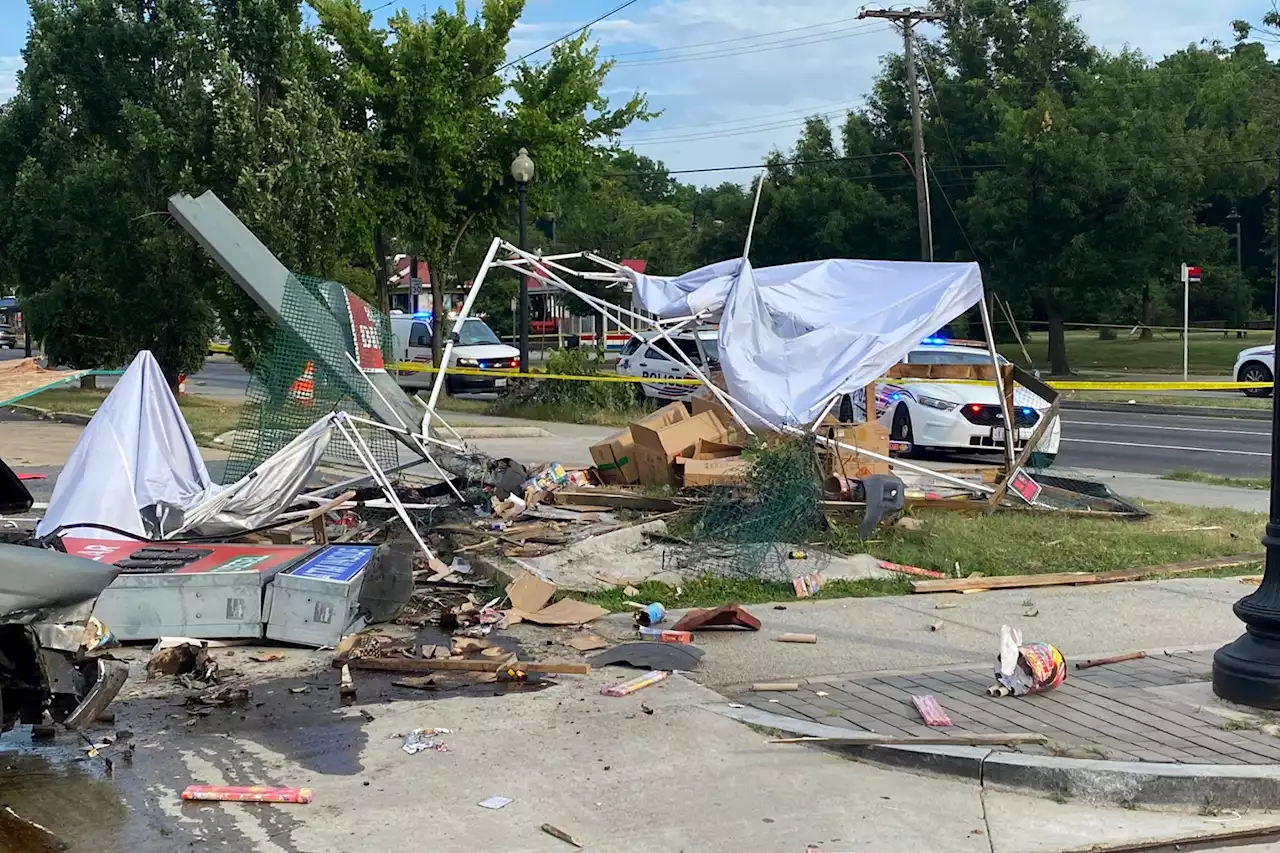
{"x": 763, "y": 47}
{"x": 719, "y": 134}
{"x": 658, "y": 132}
{"x": 729, "y": 41}
{"x": 568, "y": 35}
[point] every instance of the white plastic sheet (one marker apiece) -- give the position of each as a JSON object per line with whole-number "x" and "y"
{"x": 266, "y": 491}
{"x": 136, "y": 466}
{"x": 792, "y": 336}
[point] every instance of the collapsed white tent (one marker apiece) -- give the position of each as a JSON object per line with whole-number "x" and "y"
{"x": 266, "y": 491}
{"x": 794, "y": 336}
{"x": 136, "y": 467}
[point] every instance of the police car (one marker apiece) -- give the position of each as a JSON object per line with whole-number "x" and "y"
{"x": 651, "y": 357}
{"x": 959, "y": 416}
{"x": 1256, "y": 364}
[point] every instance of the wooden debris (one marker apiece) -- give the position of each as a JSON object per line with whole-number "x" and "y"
{"x": 958, "y": 739}
{"x": 557, "y": 832}
{"x": 775, "y": 687}
{"x": 615, "y": 500}
{"x": 1089, "y": 664}
{"x": 417, "y": 665}
{"x": 1084, "y": 578}
{"x": 797, "y": 638}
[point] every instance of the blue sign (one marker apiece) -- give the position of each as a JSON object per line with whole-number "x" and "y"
{"x": 336, "y": 563}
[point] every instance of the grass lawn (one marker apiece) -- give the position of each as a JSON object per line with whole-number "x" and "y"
{"x": 1238, "y": 401}
{"x": 1186, "y": 475}
{"x": 1209, "y": 353}
{"x": 206, "y": 416}
{"x": 1006, "y": 543}
{"x": 534, "y": 412}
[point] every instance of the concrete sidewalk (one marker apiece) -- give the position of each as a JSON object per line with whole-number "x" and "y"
{"x": 1152, "y": 487}
{"x": 648, "y": 773}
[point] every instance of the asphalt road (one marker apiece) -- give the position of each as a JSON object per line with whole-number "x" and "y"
{"x": 1108, "y": 441}
{"x": 1159, "y": 444}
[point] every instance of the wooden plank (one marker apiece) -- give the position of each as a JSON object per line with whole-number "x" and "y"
{"x": 1184, "y": 568}
{"x": 1007, "y": 582}
{"x": 420, "y": 666}
{"x": 957, "y": 739}
{"x": 616, "y": 500}
{"x": 1082, "y": 578}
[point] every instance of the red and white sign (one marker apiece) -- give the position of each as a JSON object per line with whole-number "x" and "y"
{"x": 217, "y": 559}
{"x": 364, "y": 331}
{"x": 1193, "y": 275}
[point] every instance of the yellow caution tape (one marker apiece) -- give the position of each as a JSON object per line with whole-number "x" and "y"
{"x": 1104, "y": 386}
{"x": 220, "y": 348}
{"x": 418, "y": 367}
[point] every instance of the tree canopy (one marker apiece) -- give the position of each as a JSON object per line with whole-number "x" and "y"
{"x": 1079, "y": 179}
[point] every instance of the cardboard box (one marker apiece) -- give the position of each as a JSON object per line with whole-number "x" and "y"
{"x": 714, "y": 472}
{"x": 615, "y": 457}
{"x": 855, "y": 466}
{"x": 657, "y": 446}
{"x": 706, "y": 449}
{"x": 704, "y": 401}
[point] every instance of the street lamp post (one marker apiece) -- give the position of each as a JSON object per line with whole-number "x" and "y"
{"x": 1248, "y": 670}
{"x": 1237, "y": 312}
{"x": 522, "y": 171}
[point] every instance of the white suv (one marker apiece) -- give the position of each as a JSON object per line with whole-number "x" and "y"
{"x": 1256, "y": 364}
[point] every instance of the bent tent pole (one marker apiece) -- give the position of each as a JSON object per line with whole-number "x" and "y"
{"x": 755, "y": 206}
{"x": 1010, "y": 424}
{"x": 817, "y": 424}
{"x": 457, "y": 324}
{"x": 663, "y": 334}
{"x": 356, "y": 441}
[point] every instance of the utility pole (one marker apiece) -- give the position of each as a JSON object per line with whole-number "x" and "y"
{"x": 907, "y": 19}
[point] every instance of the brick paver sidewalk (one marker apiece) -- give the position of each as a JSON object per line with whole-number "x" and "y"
{"x": 1144, "y": 710}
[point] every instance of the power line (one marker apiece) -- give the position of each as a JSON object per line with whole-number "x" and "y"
{"x": 658, "y": 132}
{"x": 740, "y": 131}
{"x": 728, "y": 41}
{"x": 760, "y": 48}
{"x": 569, "y": 35}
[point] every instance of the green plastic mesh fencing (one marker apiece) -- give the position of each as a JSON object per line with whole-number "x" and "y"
{"x": 751, "y": 531}
{"x": 309, "y": 373}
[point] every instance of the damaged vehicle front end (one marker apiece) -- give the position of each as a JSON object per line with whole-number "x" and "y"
{"x": 52, "y": 670}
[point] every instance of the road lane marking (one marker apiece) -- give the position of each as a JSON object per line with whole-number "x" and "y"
{"x": 1165, "y": 447}
{"x": 1171, "y": 428}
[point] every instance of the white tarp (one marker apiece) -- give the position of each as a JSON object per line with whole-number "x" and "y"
{"x": 136, "y": 466}
{"x": 792, "y": 336}
{"x": 266, "y": 491}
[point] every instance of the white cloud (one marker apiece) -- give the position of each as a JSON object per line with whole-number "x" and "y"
{"x": 736, "y": 78}
{"x": 9, "y": 68}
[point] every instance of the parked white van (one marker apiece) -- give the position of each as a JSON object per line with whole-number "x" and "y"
{"x": 475, "y": 347}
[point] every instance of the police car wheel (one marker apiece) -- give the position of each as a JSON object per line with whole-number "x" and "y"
{"x": 901, "y": 430}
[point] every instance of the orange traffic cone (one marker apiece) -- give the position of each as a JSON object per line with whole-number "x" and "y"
{"x": 303, "y": 389}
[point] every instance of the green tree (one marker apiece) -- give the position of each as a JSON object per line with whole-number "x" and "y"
{"x": 427, "y": 96}
{"x": 104, "y": 109}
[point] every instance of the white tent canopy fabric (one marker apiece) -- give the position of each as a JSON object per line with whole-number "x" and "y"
{"x": 266, "y": 491}
{"x": 793, "y": 336}
{"x": 136, "y": 467}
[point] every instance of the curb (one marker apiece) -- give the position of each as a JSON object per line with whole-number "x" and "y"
{"x": 1154, "y": 409}
{"x": 502, "y": 432}
{"x": 37, "y": 413}
{"x": 1091, "y": 781}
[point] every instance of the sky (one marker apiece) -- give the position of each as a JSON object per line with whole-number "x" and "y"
{"x": 735, "y": 79}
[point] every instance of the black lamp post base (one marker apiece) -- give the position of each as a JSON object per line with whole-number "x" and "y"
{"x": 1247, "y": 672}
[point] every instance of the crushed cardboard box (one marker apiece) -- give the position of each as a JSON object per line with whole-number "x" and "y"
{"x": 615, "y": 457}
{"x": 658, "y": 446}
{"x": 530, "y": 596}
